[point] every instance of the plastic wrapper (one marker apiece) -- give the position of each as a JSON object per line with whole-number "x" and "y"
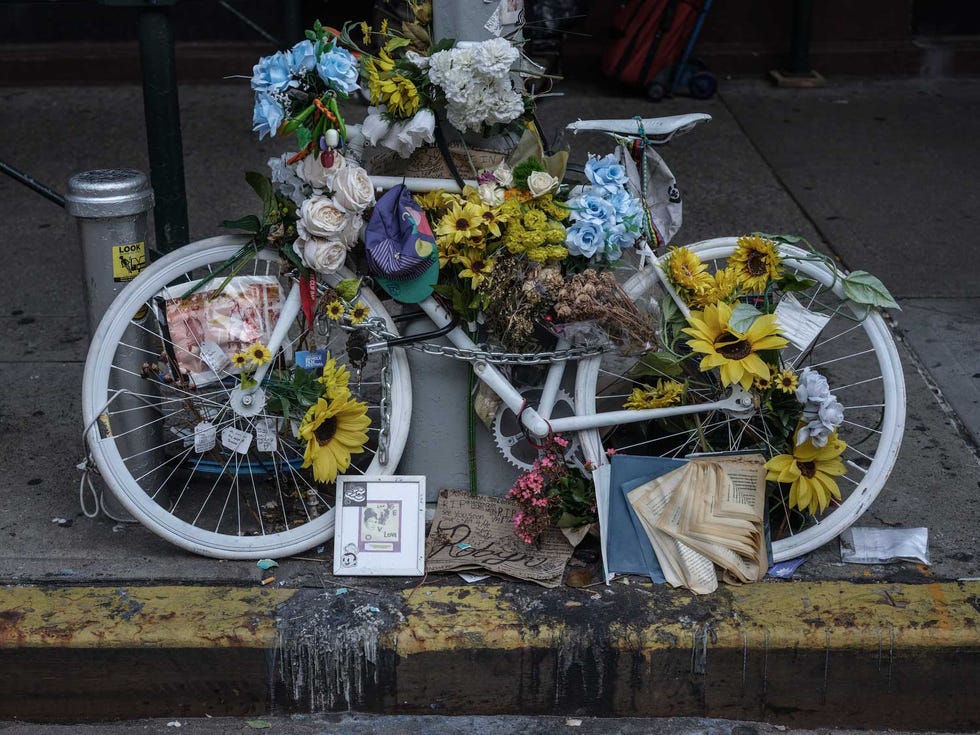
{"x": 207, "y": 329}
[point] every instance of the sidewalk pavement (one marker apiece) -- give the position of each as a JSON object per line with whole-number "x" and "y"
{"x": 879, "y": 172}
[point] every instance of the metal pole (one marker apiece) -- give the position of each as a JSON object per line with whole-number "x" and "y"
{"x": 163, "y": 139}
{"x": 800, "y": 49}
{"x": 111, "y": 207}
{"x": 293, "y": 25}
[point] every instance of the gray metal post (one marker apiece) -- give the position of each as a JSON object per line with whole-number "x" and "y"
{"x": 111, "y": 207}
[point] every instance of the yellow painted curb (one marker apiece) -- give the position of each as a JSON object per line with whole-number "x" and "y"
{"x": 446, "y": 618}
{"x": 159, "y": 617}
{"x": 814, "y": 615}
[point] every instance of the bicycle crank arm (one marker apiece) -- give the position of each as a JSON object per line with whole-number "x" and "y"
{"x": 740, "y": 401}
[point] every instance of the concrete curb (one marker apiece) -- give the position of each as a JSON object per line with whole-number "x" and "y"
{"x": 802, "y": 654}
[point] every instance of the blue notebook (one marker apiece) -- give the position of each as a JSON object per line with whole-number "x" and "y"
{"x": 628, "y": 549}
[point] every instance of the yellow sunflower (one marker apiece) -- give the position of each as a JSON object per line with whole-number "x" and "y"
{"x": 811, "y": 470}
{"x": 461, "y": 222}
{"x": 755, "y": 262}
{"x": 399, "y": 95}
{"x": 433, "y": 201}
{"x": 736, "y": 353}
{"x": 687, "y": 272}
{"x": 723, "y": 288}
{"x": 334, "y": 310}
{"x": 476, "y": 266}
{"x": 787, "y": 381}
{"x": 240, "y": 359}
{"x": 359, "y": 312}
{"x": 333, "y": 431}
{"x": 760, "y": 383}
{"x": 664, "y": 393}
{"x": 258, "y": 353}
{"x": 335, "y": 379}
{"x": 492, "y": 220}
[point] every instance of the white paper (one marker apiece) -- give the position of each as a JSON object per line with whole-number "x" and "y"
{"x": 236, "y": 439}
{"x": 860, "y": 545}
{"x": 205, "y": 437}
{"x": 265, "y": 436}
{"x": 214, "y": 356}
{"x": 798, "y": 324}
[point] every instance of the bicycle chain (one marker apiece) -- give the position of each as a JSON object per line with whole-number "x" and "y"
{"x": 497, "y": 358}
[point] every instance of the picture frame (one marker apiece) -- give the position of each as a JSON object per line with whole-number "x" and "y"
{"x": 380, "y": 525}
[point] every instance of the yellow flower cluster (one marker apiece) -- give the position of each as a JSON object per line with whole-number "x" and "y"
{"x": 750, "y": 269}
{"x": 534, "y": 228}
{"x": 389, "y": 88}
{"x": 665, "y": 393}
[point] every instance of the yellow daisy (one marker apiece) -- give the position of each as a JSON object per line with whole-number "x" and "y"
{"x": 333, "y": 431}
{"x": 461, "y": 222}
{"x": 755, "y": 262}
{"x": 359, "y": 312}
{"x": 811, "y": 471}
{"x": 664, "y": 393}
{"x": 787, "y": 381}
{"x": 760, "y": 383}
{"x": 687, "y": 272}
{"x": 259, "y": 353}
{"x": 736, "y": 353}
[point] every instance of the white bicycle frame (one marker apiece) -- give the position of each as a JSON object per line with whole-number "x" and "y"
{"x": 537, "y": 421}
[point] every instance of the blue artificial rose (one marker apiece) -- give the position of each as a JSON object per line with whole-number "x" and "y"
{"x": 606, "y": 172}
{"x": 302, "y": 59}
{"x": 591, "y": 206}
{"x": 584, "y": 238}
{"x": 271, "y": 74}
{"x": 338, "y": 68}
{"x": 267, "y": 115}
{"x": 626, "y": 205}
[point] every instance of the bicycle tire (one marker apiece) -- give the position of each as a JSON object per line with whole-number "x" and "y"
{"x": 860, "y": 360}
{"x": 219, "y": 503}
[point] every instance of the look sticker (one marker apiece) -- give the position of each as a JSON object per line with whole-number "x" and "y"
{"x": 128, "y": 261}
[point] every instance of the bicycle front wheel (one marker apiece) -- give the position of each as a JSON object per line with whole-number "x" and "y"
{"x": 854, "y": 351}
{"x": 168, "y": 427}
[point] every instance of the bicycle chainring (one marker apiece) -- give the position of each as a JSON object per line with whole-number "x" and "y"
{"x": 510, "y": 439}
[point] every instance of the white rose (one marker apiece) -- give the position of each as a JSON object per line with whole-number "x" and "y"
{"x": 541, "y": 182}
{"x": 504, "y": 176}
{"x": 321, "y": 217}
{"x": 314, "y": 173}
{"x": 323, "y": 256}
{"x": 813, "y": 387}
{"x": 352, "y": 189}
{"x": 408, "y": 135}
{"x": 490, "y": 194}
{"x": 374, "y": 127}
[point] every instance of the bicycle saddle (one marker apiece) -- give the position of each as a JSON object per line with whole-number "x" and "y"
{"x": 658, "y": 129}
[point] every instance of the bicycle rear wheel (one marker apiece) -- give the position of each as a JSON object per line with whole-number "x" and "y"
{"x": 149, "y": 406}
{"x": 854, "y": 351}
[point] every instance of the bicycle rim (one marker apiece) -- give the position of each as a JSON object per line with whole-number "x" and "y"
{"x": 854, "y": 351}
{"x": 238, "y": 498}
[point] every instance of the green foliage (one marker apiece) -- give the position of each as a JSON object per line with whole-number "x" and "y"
{"x": 524, "y": 169}
{"x": 863, "y": 288}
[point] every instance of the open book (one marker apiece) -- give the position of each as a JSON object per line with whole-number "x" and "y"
{"x": 705, "y": 514}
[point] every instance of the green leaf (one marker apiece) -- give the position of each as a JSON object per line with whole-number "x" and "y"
{"x": 863, "y": 288}
{"x": 743, "y": 315}
{"x": 347, "y": 288}
{"x": 789, "y": 239}
{"x": 303, "y": 136}
{"x": 658, "y": 364}
{"x": 794, "y": 282}
{"x": 258, "y": 724}
{"x": 260, "y": 185}
{"x": 396, "y": 42}
{"x": 249, "y": 223}
{"x": 443, "y": 45}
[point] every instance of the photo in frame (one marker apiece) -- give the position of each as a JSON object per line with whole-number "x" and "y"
{"x": 380, "y": 525}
